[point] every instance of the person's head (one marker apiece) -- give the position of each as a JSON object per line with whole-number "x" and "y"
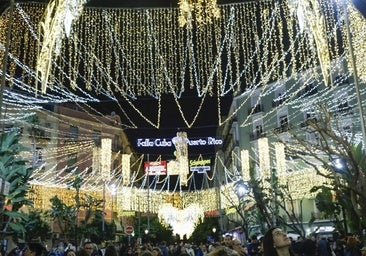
{"x": 218, "y": 251}
{"x": 146, "y": 253}
{"x": 275, "y": 241}
{"x": 89, "y": 247}
{"x": 363, "y": 251}
{"x": 110, "y": 250}
{"x": 156, "y": 251}
{"x": 70, "y": 252}
{"x": 254, "y": 239}
{"x": 82, "y": 252}
{"x": 34, "y": 249}
{"x": 228, "y": 240}
{"x": 129, "y": 250}
{"x": 245, "y": 250}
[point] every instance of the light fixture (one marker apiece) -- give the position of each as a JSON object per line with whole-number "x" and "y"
{"x": 241, "y": 189}
{"x": 146, "y": 231}
{"x": 338, "y": 165}
{"x": 214, "y": 230}
{"x": 202, "y": 11}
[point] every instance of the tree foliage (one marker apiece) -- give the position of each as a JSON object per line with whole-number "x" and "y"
{"x": 335, "y": 142}
{"x": 36, "y": 227}
{"x": 14, "y": 170}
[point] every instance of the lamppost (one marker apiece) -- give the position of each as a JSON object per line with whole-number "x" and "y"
{"x": 339, "y": 167}
{"x": 213, "y": 234}
{"x": 147, "y": 234}
{"x": 241, "y": 190}
{"x": 113, "y": 194}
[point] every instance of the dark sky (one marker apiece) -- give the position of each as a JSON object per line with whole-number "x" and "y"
{"x": 171, "y": 120}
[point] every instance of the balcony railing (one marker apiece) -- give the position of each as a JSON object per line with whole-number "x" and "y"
{"x": 256, "y": 109}
{"x": 256, "y": 135}
{"x": 282, "y": 129}
{"x": 278, "y": 102}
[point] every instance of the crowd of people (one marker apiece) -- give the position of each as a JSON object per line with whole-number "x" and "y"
{"x": 275, "y": 242}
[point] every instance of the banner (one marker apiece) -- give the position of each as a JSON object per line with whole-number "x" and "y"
{"x": 155, "y": 168}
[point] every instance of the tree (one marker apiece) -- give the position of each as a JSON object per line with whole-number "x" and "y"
{"x": 157, "y": 231}
{"x": 335, "y": 144}
{"x": 35, "y": 227}
{"x": 13, "y": 169}
{"x": 64, "y": 215}
{"x": 204, "y": 229}
{"x": 275, "y": 204}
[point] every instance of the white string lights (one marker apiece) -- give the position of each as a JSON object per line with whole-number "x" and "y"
{"x": 153, "y": 56}
{"x": 58, "y": 19}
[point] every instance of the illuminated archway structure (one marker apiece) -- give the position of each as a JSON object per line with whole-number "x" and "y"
{"x": 128, "y": 53}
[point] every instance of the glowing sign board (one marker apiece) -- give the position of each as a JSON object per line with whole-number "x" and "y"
{"x": 155, "y": 168}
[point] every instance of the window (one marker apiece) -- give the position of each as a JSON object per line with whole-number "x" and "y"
{"x": 115, "y": 143}
{"x": 73, "y": 132}
{"x": 71, "y": 163}
{"x": 283, "y": 122}
{"x": 96, "y": 137}
{"x": 259, "y": 130}
{"x": 115, "y": 166}
{"x": 310, "y": 89}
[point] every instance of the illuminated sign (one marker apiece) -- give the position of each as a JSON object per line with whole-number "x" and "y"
{"x": 155, "y": 168}
{"x": 200, "y": 169}
{"x": 166, "y": 142}
{"x": 200, "y": 165}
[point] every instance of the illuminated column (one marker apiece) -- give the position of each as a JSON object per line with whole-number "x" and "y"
{"x": 105, "y": 164}
{"x": 180, "y": 142}
{"x": 105, "y": 158}
{"x": 245, "y": 171}
{"x": 264, "y": 160}
{"x": 280, "y": 158}
{"x": 126, "y": 170}
{"x": 96, "y": 159}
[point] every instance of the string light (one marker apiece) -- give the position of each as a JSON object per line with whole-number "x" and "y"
{"x": 183, "y": 221}
{"x": 141, "y": 72}
{"x": 58, "y": 19}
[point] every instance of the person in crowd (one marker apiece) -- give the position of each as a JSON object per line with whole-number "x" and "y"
{"x": 189, "y": 250}
{"x": 218, "y": 251}
{"x": 202, "y": 250}
{"x": 82, "y": 252}
{"x": 276, "y": 243}
{"x": 110, "y": 250}
{"x": 156, "y": 251}
{"x": 352, "y": 246}
{"x": 35, "y": 249}
{"x": 129, "y": 252}
{"x": 238, "y": 247}
{"x": 146, "y": 253}
{"x": 323, "y": 247}
{"x": 164, "y": 249}
{"x": 228, "y": 240}
{"x": 363, "y": 251}
{"x": 338, "y": 245}
{"x": 298, "y": 245}
{"x": 70, "y": 252}
{"x": 89, "y": 248}
{"x": 309, "y": 246}
{"x": 253, "y": 246}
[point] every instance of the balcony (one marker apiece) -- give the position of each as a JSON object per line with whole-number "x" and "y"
{"x": 307, "y": 122}
{"x": 278, "y": 102}
{"x": 256, "y": 135}
{"x": 282, "y": 129}
{"x": 308, "y": 90}
{"x": 255, "y": 109}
